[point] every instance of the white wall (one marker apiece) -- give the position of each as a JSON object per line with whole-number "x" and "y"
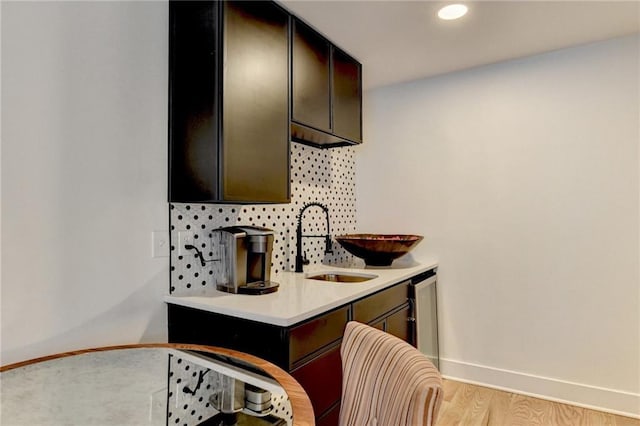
{"x": 84, "y": 154}
{"x": 523, "y": 178}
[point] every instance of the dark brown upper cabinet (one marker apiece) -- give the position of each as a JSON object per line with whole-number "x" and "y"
{"x": 229, "y": 124}
{"x": 326, "y": 91}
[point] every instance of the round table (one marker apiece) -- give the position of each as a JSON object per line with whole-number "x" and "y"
{"x": 151, "y": 384}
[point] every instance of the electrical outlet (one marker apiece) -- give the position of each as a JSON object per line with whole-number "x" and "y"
{"x": 185, "y": 238}
{"x": 160, "y": 244}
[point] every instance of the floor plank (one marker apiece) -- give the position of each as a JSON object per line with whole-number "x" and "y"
{"x": 598, "y": 418}
{"x": 450, "y": 389}
{"x": 526, "y": 411}
{"x": 626, "y": 421}
{"x": 469, "y": 405}
{"x": 564, "y": 414}
{"x": 499, "y": 408}
{"x": 477, "y": 413}
{"x": 458, "y": 405}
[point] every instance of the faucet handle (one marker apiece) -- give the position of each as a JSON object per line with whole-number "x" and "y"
{"x": 328, "y": 249}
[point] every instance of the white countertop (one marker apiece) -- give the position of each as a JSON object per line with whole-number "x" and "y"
{"x": 299, "y": 298}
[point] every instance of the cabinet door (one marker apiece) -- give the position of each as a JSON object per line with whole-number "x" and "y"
{"x": 427, "y": 318}
{"x": 311, "y": 83}
{"x": 255, "y": 90}
{"x": 398, "y": 324}
{"x": 347, "y": 96}
{"x": 193, "y": 105}
{"x": 330, "y": 418}
{"x": 321, "y": 378}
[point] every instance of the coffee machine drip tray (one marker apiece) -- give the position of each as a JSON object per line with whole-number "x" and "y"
{"x": 258, "y": 287}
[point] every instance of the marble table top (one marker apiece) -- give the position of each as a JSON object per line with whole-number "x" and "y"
{"x": 140, "y": 385}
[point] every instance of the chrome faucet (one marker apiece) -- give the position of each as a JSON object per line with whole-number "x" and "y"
{"x": 300, "y": 259}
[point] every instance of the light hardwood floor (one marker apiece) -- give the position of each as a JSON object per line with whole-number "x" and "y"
{"x": 470, "y": 405}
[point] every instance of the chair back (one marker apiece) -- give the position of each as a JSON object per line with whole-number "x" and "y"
{"x": 386, "y": 381}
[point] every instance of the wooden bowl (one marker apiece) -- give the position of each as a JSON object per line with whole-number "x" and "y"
{"x": 378, "y": 249}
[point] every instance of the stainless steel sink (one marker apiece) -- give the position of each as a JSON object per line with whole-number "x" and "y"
{"x": 341, "y": 277}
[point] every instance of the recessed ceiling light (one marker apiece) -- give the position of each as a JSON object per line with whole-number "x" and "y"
{"x": 453, "y": 11}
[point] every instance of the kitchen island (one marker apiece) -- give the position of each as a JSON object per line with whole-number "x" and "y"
{"x": 300, "y": 327}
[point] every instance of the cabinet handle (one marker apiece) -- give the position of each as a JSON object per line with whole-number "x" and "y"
{"x": 411, "y": 319}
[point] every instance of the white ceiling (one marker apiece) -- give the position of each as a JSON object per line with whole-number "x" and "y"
{"x": 400, "y": 41}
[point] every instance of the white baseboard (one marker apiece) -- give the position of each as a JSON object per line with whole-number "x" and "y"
{"x": 593, "y": 397}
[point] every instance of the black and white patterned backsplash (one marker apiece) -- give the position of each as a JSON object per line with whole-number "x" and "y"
{"x": 324, "y": 176}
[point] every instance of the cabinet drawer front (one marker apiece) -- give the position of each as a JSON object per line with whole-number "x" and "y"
{"x": 321, "y": 378}
{"x": 312, "y": 335}
{"x": 398, "y": 325}
{"x": 374, "y": 306}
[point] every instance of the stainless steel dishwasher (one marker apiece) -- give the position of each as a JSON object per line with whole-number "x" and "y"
{"x": 425, "y": 314}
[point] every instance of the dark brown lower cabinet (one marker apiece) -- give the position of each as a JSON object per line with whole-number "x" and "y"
{"x": 321, "y": 378}
{"x": 309, "y": 350}
{"x": 330, "y": 418}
